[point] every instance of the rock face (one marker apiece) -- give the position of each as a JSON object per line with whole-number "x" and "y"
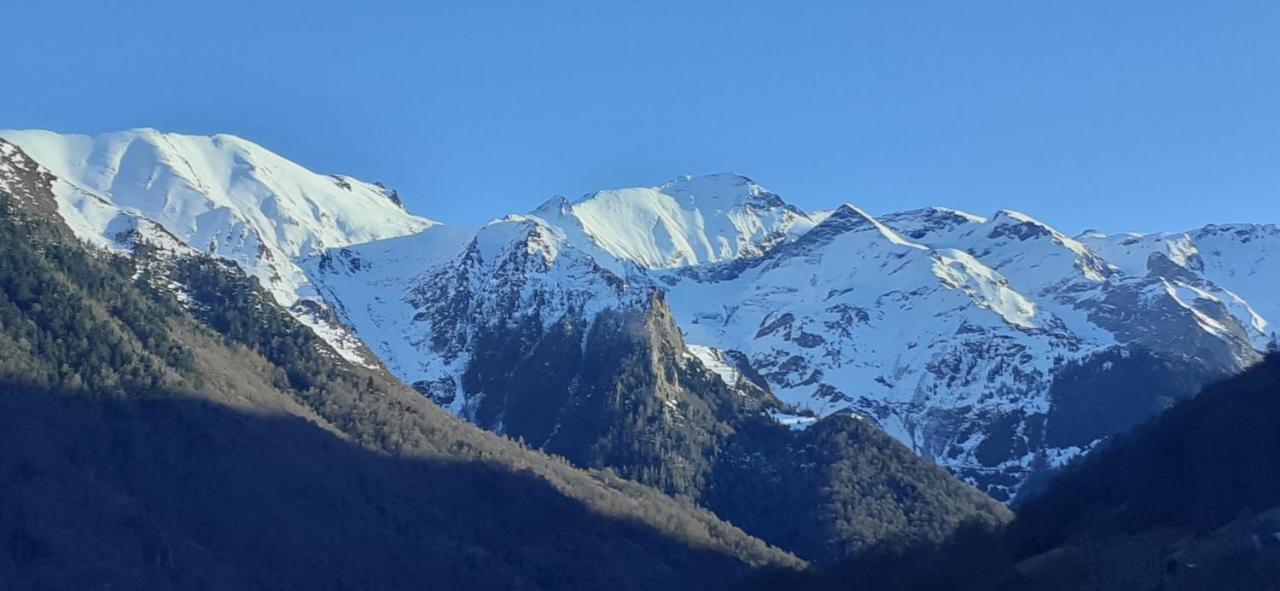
{"x": 994, "y": 346}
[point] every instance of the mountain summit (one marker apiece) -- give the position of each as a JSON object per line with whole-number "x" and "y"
{"x": 684, "y": 222}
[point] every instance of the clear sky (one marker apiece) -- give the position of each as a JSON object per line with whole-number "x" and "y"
{"x": 1110, "y": 114}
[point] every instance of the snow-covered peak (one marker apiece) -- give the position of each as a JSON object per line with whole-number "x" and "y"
{"x": 1022, "y": 227}
{"x": 1013, "y": 216}
{"x": 1033, "y": 239}
{"x": 199, "y": 187}
{"x": 1131, "y": 252}
{"x": 846, "y": 225}
{"x": 1217, "y": 239}
{"x": 684, "y": 222}
{"x": 1031, "y": 254}
{"x": 930, "y": 221}
{"x": 850, "y": 217}
{"x": 720, "y": 191}
{"x": 1230, "y": 248}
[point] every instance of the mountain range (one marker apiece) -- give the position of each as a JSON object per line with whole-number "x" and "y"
{"x": 971, "y": 339}
{"x": 704, "y": 336}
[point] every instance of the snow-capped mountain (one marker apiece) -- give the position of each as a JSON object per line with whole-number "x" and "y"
{"x": 221, "y": 195}
{"x": 423, "y": 302}
{"x": 949, "y": 329}
{"x": 439, "y": 289}
{"x": 1240, "y": 257}
{"x": 688, "y": 221}
{"x": 952, "y": 330}
{"x": 993, "y": 345}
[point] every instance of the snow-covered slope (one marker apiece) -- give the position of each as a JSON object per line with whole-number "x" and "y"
{"x": 953, "y": 331}
{"x": 423, "y": 303}
{"x": 1235, "y": 264}
{"x": 222, "y": 195}
{"x": 687, "y": 221}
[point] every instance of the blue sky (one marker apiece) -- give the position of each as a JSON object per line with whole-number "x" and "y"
{"x": 1115, "y": 115}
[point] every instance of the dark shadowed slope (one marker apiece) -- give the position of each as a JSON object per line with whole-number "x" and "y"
{"x": 177, "y": 492}
{"x": 1204, "y": 463}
